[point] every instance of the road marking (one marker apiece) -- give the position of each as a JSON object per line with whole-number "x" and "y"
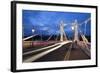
{"x": 67, "y": 55}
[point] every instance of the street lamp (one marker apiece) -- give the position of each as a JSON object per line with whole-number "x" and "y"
{"x": 33, "y": 30}
{"x": 72, "y": 27}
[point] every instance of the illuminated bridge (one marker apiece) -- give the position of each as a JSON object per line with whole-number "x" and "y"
{"x": 58, "y": 50}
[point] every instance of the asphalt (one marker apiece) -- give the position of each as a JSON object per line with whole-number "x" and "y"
{"x": 75, "y": 53}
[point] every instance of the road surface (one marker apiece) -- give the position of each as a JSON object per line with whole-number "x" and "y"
{"x": 57, "y": 52}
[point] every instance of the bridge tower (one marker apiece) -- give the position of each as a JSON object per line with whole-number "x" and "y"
{"x": 75, "y": 25}
{"x": 63, "y": 36}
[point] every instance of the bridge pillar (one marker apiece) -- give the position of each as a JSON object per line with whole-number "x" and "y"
{"x": 62, "y": 32}
{"x": 76, "y": 38}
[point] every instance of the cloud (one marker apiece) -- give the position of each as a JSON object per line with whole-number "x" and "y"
{"x": 44, "y": 28}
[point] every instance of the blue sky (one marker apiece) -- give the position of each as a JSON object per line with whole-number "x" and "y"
{"x": 47, "y": 22}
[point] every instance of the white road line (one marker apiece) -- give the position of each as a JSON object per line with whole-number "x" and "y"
{"x": 68, "y": 53}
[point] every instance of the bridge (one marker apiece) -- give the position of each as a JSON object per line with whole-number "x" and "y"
{"x": 58, "y": 50}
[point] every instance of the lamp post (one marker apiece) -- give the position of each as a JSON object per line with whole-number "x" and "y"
{"x": 33, "y": 31}
{"x": 72, "y": 27}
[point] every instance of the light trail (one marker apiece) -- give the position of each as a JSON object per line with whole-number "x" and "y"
{"x": 40, "y": 49}
{"x": 29, "y": 37}
{"x": 35, "y": 57}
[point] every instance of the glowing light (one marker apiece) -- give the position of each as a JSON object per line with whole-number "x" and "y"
{"x": 33, "y": 30}
{"x": 72, "y": 27}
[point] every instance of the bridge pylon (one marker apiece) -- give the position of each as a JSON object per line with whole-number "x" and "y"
{"x": 75, "y": 25}
{"x": 63, "y": 36}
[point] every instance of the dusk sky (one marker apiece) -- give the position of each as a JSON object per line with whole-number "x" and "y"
{"x": 48, "y": 22}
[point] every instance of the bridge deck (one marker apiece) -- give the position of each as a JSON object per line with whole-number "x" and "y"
{"x": 59, "y": 54}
